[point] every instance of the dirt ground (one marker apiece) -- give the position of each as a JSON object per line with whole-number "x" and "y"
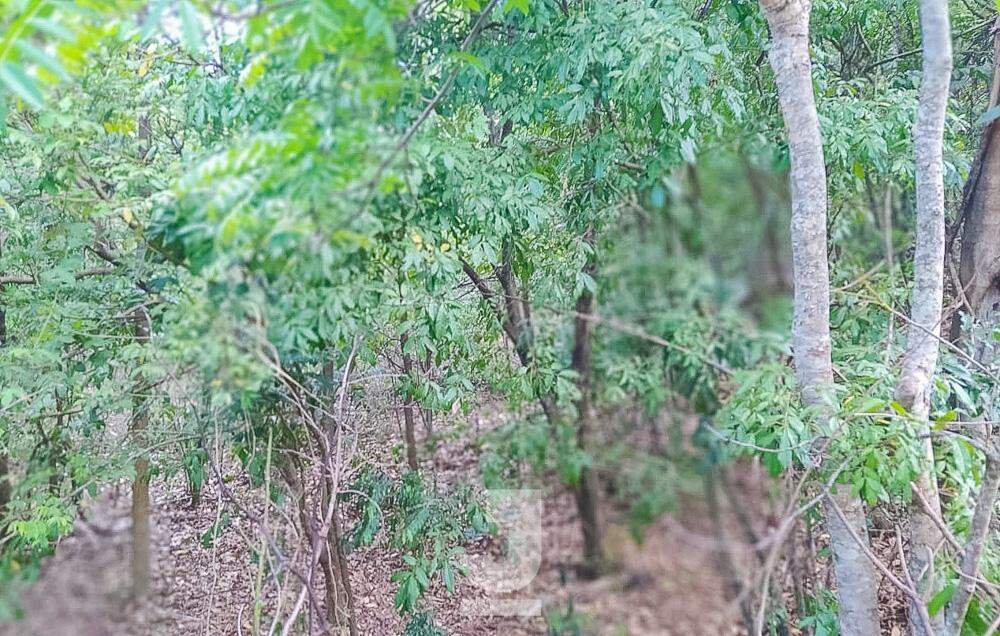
{"x": 670, "y": 584}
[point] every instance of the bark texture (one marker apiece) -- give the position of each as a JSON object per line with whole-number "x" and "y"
{"x": 5, "y": 485}
{"x": 789, "y": 56}
{"x": 586, "y": 490}
{"x": 979, "y": 532}
{"x": 979, "y": 271}
{"x": 923, "y": 334}
{"x": 409, "y": 418}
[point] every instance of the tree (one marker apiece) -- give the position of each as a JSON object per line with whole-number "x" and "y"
{"x": 330, "y": 212}
{"x": 789, "y": 56}
{"x": 979, "y": 272}
{"x": 920, "y": 359}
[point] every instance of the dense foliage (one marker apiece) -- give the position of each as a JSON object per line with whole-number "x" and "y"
{"x": 265, "y": 226}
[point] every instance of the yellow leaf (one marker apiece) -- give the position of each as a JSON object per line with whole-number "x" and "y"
{"x": 127, "y": 215}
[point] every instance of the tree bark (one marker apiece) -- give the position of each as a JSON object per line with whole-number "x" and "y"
{"x": 979, "y": 275}
{"x": 586, "y": 491}
{"x": 979, "y": 270}
{"x": 141, "y": 559}
{"x": 789, "y": 56}
{"x": 5, "y": 485}
{"x": 921, "y": 355}
{"x": 409, "y": 421}
{"x": 344, "y": 573}
{"x": 979, "y": 532}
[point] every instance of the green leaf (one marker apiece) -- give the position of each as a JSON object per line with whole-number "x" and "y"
{"x": 939, "y": 599}
{"x": 421, "y": 577}
{"x": 944, "y": 418}
{"x": 448, "y": 576}
{"x": 472, "y": 60}
{"x": 974, "y": 618}
{"x": 254, "y": 70}
{"x": 858, "y": 170}
{"x": 43, "y": 59}
{"x": 53, "y": 29}
{"x": 191, "y": 26}
{"x": 656, "y": 119}
{"x": 14, "y": 78}
{"x": 520, "y": 5}
{"x": 988, "y": 116}
{"x": 8, "y": 394}
{"x": 154, "y": 14}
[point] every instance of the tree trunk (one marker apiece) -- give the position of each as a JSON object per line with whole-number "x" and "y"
{"x": 5, "y": 487}
{"x": 339, "y": 598}
{"x": 979, "y": 271}
{"x": 5, "y": 483}
{"x": 514, "y": 316}
{"x": 409, "y": 419}
{"x": 789, "y": 57}
{"x": 979, "y": 275}
{"x": 923, "y": 333}
{"x": 587, "y": 503}
{"x": 979, "y": 532}
{"x": 140, "y": 486}
{"x": 344, "y": 574}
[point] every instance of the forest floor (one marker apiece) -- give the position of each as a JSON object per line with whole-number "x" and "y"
{"x": 671, "y": 583}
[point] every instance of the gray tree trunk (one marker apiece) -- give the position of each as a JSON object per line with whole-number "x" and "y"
{"x": 923, "y": 334}
{"x": 789, "y": 57}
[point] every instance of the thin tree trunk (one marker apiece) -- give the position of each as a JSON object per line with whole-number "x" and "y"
{"x": 337, "y": 548}
{"x": 979, "y": 531}
{"x": 513, "y": 315}
{"x": 5, "y": 485}
{"x": 587, "y": 502}
{"x": 141, "y": 559}
{"x": 789, "y": 57}
{"x": 339, "y": 598}
{"x": 409, "y": 419}
{"x": 920, "y": 358}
